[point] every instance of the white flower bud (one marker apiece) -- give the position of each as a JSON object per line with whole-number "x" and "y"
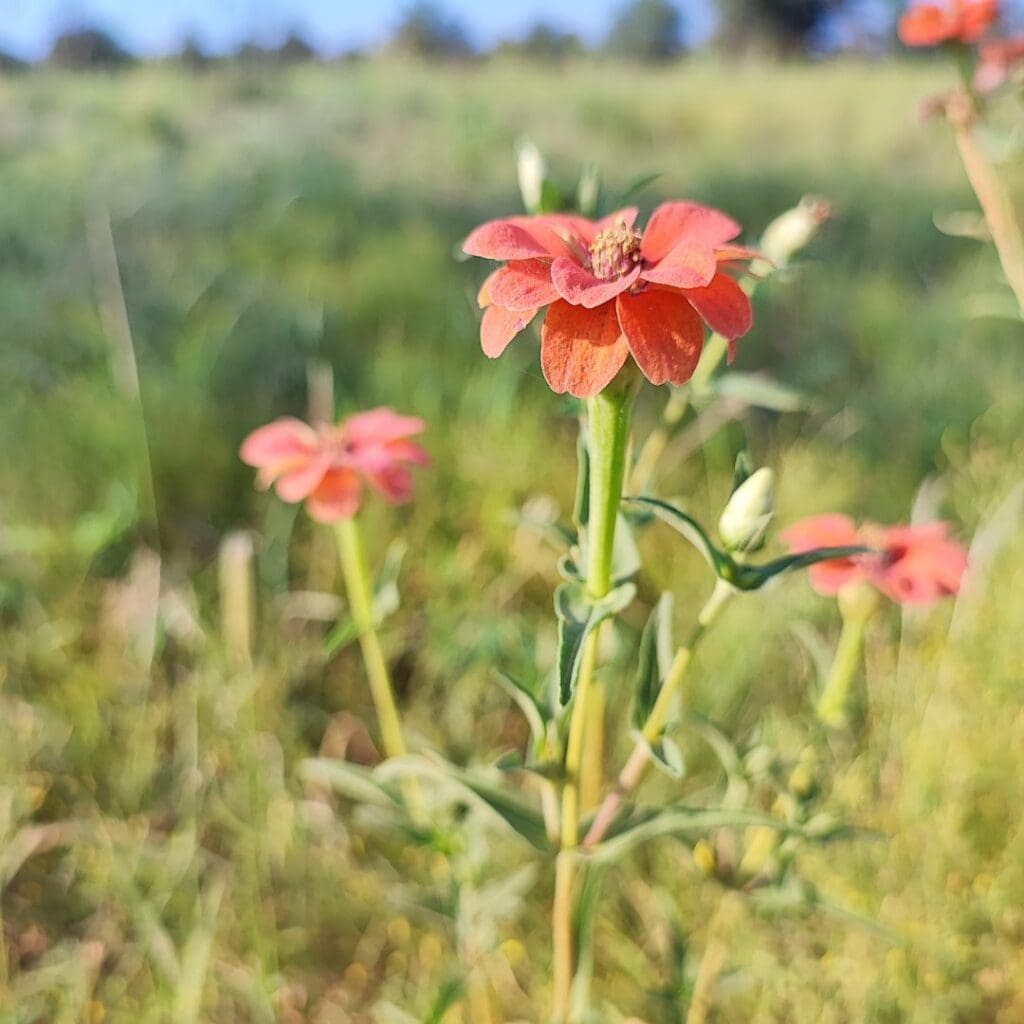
{"x": 794, "y": 230}
{"x": 532, "y": 171}
{"x": 745, "y": 520}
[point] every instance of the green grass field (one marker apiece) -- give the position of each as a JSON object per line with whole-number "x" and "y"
{"x": 162, "y": 857}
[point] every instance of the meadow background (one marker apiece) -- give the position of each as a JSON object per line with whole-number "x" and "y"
{"x": 178, "y": 250}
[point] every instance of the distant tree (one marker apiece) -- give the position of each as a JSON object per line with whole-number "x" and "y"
{"x": 426, "y": 31}
{"x": 295, "y": 50}
{"x": 88, "y": 48}
{"x": 647, "y": 30}
{"x": 785, "y": 25}
{"x": 9, "y": 64}
{"x": 543, "y": 43}
{"x": 192, "y": 55}
{"x": 251, "y": 53}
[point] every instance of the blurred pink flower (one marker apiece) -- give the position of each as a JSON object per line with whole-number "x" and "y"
{"x": 613, "y": 291}
{"x": 325, "y": 466}
{"x": 997, "y": 61}
{"x": 913, "y": 564}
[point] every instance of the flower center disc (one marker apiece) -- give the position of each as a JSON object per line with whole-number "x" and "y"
{"x": 614, "y": 252}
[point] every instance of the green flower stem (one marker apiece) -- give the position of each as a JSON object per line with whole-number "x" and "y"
{"x": 857, "y": 606}
{"x": 360, "y": 599}
{"x": 608, "y": 427}
{"x": 608, "y": 416}
{"x": 636, "y": 766}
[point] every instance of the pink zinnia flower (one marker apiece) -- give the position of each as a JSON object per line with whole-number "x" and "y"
{"x": 913, "y": 564}
{"x": 997, "y": 61}
{"x": 612, "y": 291}
{"x": 325, "y": 465}
{"x": 929, "y": 24}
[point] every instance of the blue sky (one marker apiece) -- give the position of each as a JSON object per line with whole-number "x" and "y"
{"x": 158, "y": 26}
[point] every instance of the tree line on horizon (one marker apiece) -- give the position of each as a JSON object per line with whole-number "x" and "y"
{"x": 642, "y": 30}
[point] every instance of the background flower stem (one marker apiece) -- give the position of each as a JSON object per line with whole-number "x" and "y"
{"x": 857, "y": 607}
{"x": 634, "y": 769}
{"x": 360, "y": 599}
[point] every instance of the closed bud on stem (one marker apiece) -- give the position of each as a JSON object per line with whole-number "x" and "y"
{"x": 744, "y": 523}
{"x": 531, "y": 171}
{"x": 794, "y": 230}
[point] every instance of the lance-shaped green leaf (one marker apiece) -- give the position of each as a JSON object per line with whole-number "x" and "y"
{"x": 350, "y": 780}
{"x": 655, "y": 657}
{"x": 578, "y": 616}
{"x": 680, "y": 822}
{"x": 588, "y": 190}
{"x": 752, "y": 577}
{"x": 634, "y": 188}
{"x": 626, "y": 562}
{"x": 688, "y": 527}
{"x": 741, "y": 575}
{"x": 760, "y": 391}
{"x": 527, "y": 702}
{"x": 581, "y": 505}
{"x": 520, "y": 817}
{"x": 665, "y": 754}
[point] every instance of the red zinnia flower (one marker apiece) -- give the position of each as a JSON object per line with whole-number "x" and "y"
{"x": 914, "y": 564}
{"x": 612, "y": 291}
{"x": 929, "y": 24}
{"x": 325, "y": 465}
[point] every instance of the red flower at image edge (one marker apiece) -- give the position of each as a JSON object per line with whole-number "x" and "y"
{"x": 914, "y": 564}
{"x": 929, "y": 24}
{"x": 325, "y": 466}
{"x": 612, "y": 291}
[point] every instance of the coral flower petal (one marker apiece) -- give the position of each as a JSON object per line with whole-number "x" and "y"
{"x": 483, "y": 297}
{"x": 672, "y": 223}
{"x": 337, "y": 497}
{"x": 922, "y": 563}
{"x": 303, "y": 480}
{"x": 380, "y": 426}
{"x": 927, "y": 25}
{"x": 503, "y": 240}
{"x": 975, "y": 19}
{"x": 499, "y": 326}
{"x": 582, "y": 288}
{"x": 279, "y": 443}
{"x": 581, "y": 349}
{"x": 737, "y": 253}
{"x": 664, "y": 332}
{"x": 826, "y": 531}
{"x": 393, "y": 482}
{"x": 724, "y": 306}
{"x": 627, "y": 216}
{"x": 409, "y": 451}
{"x": 523, "y": 284}
{"x": 686, "y": 266}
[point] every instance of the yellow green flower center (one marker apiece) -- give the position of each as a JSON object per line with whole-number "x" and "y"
{"x": 614, "y": 252}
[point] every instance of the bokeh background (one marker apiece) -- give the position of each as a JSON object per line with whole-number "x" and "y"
{"x": 205, "y": 215}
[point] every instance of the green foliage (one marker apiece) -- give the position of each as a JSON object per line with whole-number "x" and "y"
{"x": 165, "y": 848}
